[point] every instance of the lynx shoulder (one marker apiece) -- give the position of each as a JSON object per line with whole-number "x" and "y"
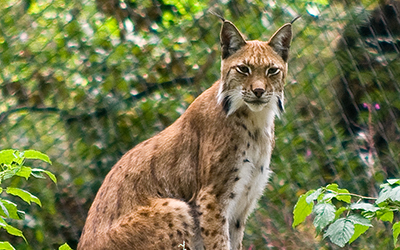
{"x": 196, "y": 182}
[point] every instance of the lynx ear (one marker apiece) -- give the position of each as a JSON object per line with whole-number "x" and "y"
{"x": 280, "y": 41}
{"x": 231, "y": 39}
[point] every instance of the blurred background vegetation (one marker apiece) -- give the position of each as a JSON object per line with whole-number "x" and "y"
{"x": 86, "y": 80}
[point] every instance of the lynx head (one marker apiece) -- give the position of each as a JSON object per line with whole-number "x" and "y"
{"x": 253, "y": 72}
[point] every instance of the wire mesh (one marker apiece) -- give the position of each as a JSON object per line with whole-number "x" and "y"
{"x": 84, "y": 81}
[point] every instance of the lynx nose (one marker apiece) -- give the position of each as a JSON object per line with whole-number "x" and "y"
{"x": 258, "y": 92}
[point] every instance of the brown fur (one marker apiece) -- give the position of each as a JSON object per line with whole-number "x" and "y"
{"x": 195, "y": 183}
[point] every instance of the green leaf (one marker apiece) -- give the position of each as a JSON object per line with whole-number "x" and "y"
{"x": 36, "y": 155}
{"x": 65, "y": 246}
{"x": 358, "y": 230}
{"x": 333, "y": 187}
{"x": 314, "y": 195}
{"x": 302, "y": 209}
{"x": 394, "y": 194}
{"x": 25, "y": 195}
{"x": 384, "y": 194}
{"x": 325, "y": 214}
{"x": 396, "y": 231}
{"x": 8, "y": 156}
{"x": 50, "y": 174}
{"x": 364, "y": 206}
{"x": 14, "y": 231}
{"x": 340, "y": 232}
{"x": 358, "y": 219}
{"x": 342, "y": 196}
{"x": 6, "y": 245}
{"x": 328, "y": 196}
{"x": 385, "y": 216}
{"x": 393, "y": 181}
{"x": 9, "y": 209}
{"x": 340, "y": 211}
{"x": 24, "y": 171}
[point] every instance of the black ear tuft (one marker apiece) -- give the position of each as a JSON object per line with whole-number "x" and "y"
{"x": 280, "y": 41}
{"x": 231, "y": 39}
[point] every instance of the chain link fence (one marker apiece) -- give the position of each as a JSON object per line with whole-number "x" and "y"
{"x": 85, "y": 81}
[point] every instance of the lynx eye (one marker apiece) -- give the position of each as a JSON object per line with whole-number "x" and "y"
{"x": 272, "y": 71}
{"x": 243, "y": 69}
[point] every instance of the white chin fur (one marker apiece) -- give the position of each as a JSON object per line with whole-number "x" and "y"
{"x": 256, "y": 107}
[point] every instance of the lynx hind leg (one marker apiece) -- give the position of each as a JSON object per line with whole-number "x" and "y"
{"x": 165, "y": 224}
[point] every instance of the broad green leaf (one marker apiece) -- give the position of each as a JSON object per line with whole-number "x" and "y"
{"x": 325, "y": 214}
{"x": 340, "y": 211}
{"x": 36, "y": 155}
{"x": 6, "y": 245}
{"x": 50, "y": 174}
{"x": 24, "y": 171}
{"x": 14, "y": 231}
{"x": 9, "y": 209}
{"x": 65, "y": 246}
{"x": 302, "y": 209}
{"x": 364, "y": 206}
{"x": 25, "y": 195}
{"x": 358, "y": 230}
{"x": 358, "y": 219}
{"x": 327, "y": 197}
{"x": 314, "y": 195}
{"x": 333, "y": 187}
{"x": 7, "y": 156}
{"x": 396, "y": 231}
{"x": 394, "y": 194}
{"x": 340, "y": 232}
{"x": 393, "y": 181}
{"x": 3, "y": 223}
{"x": 342, "y": 196}
{"x": 384, "y": 194}
{"x": 385, "y": 216}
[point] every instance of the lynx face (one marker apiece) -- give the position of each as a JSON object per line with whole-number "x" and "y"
{"x": 253, "y": 72}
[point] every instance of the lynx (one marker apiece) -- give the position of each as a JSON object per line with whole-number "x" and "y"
{"x": 194, "y": 184}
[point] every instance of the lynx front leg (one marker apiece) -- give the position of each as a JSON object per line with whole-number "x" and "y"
{"x": 213, "y": 222}
{"x": 236, "y": 231}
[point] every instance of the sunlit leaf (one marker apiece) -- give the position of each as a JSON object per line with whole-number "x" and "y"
{"x": 6, "y": 245}
{"x": 38, "y": 171}
{"x": 358, "y": 230}
{"x": 340, "y": 232}
{"x": 396, "y": 231}
{"x": 25, "y": 195}
{"x": 325, "y": 214}
{"x": 364, "y": 206}
{"x": 384, "y": 194}
{"x": 33, "y": 154}
{"x": 65, "y": 246}
{"x": 302, "y": 209}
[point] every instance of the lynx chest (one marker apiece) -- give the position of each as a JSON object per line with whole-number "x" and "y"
{"x": 252, "y": 164}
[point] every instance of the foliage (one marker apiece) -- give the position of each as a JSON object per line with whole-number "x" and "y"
{"x": 343, "y": 219}
{"x": 12, "y": 163}
{"x": 85, "y": 81}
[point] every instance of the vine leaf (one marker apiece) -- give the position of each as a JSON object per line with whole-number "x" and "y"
{"x": 302, "y": 209}
{"x": 25, "y": 195}
{"x": 325, "y": 214}
{"x": 358, "y": 230}
{"x": 396, "y": 231}
{"x": 36, "y": 155}
{"x": 364, "y": 206}
{"x": 6, "y": 245}
{"x": 340, "y": 232}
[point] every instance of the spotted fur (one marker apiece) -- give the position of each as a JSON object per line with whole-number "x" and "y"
{"x": 196, "y": 182}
